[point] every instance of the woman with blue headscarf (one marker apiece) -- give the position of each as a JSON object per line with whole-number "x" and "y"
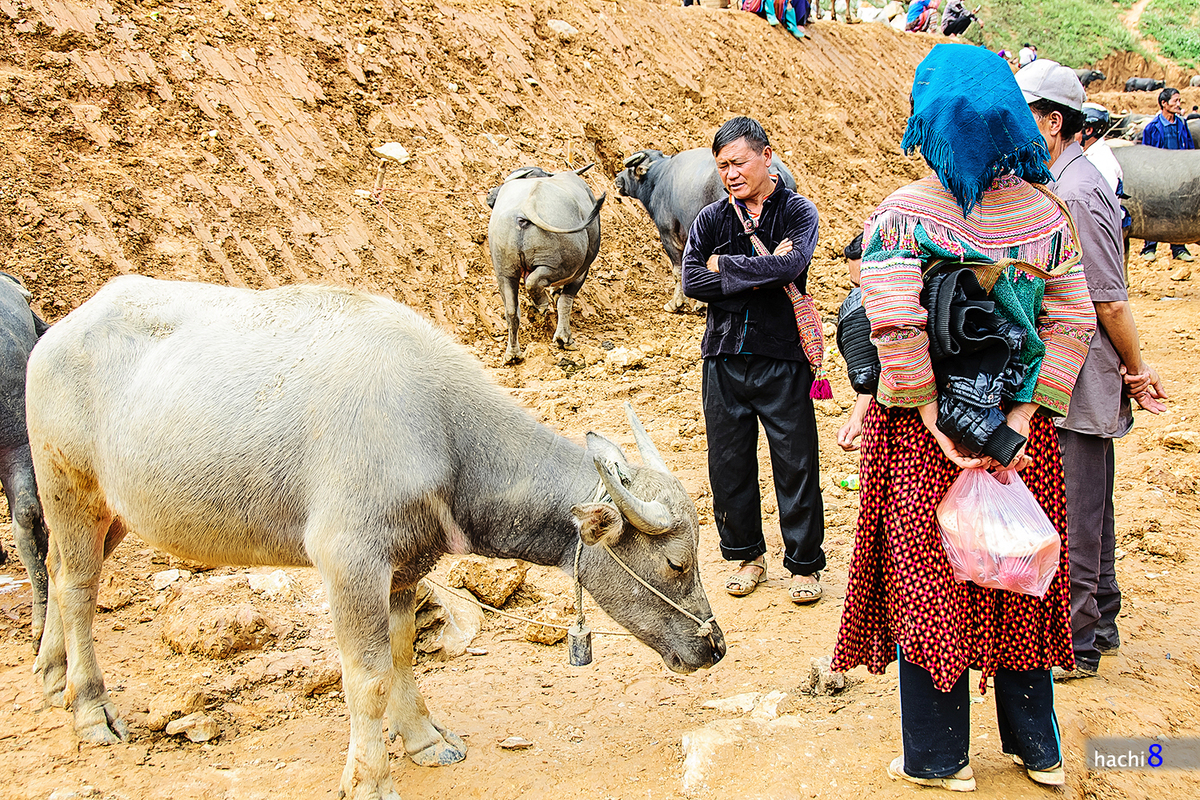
{"x": 985, "y": 202}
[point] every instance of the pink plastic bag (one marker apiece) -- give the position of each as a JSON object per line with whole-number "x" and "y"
{"x": 996, "y": 534}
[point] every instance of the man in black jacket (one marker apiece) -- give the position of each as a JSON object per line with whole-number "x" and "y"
{"x": 755, "y": 368}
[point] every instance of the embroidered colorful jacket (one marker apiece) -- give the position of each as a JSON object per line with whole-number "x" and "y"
{"x": 1014, "y": 220}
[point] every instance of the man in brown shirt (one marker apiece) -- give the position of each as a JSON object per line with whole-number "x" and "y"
{"x": 1113, "y": 372}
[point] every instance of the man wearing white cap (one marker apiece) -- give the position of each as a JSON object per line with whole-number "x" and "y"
{"x": 1114, "y": 370}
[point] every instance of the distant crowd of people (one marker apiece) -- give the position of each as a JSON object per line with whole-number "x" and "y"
{"x": 921, "y": 15}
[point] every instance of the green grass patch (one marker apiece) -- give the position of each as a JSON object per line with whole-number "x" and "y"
{"x": 1173, "y": 24}
{"x": 1072, "y": 32}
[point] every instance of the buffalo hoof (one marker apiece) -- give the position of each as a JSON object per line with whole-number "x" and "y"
{"x": 677, "y": 300}
{"x": 450, "y": 750}
{"x": 363, "y": 792}
{"x": 513, "y": 356}
{"x": 105, "y": 733}
{"x": 54, "y": 684}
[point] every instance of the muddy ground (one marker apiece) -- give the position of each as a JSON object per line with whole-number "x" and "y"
{"x": 224, "y": 141}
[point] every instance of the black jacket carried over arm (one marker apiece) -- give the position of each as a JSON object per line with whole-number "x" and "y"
{"x": 748, "y": 309}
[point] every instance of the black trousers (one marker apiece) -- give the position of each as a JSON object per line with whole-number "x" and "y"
{"x": 739, "y": 393}
{"x": 957, "y": 26}
{"x": 1089, "y": 469}
{"x": 936, "y": 725}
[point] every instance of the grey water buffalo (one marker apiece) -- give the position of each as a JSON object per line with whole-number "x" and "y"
{"x": 673, "y": 190}
{"x": 318, "y": 426}
{"x": 19, "y": 332}
{"x": 1163, "y": 193}
{"x": 1195, "y": 81}
{"x": 1087, "y": 76}
{"x": 544, "y": 233}
{"x": 1143, "y": 85}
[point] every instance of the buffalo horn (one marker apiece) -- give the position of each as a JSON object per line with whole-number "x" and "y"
{"x": 635, "y": 159}
{"x": 584, "y": 168}
{"x": 650, "y": 455}
{"x": 650, "y": 517}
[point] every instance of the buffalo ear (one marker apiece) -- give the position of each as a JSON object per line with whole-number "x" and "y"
{"x": 641, "y": 169}
{"x": 599, "y": 523}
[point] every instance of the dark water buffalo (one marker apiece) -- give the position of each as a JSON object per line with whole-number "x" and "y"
{"x": 317, "y": 426}
{"x": 673, "y": 190}
{"x": 1194, "y": 130}
{"x": 1163, "y": 188}
{"x": 1129, "y": 126}
{"x": 19, "y": 332}
{"x": 1143, "y": 85}
{"x": 544, "y": 233}
{"x": 1086, "y": 76}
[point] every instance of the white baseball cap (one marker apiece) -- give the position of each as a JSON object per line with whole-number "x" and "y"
{"x": 1049, "y": 80}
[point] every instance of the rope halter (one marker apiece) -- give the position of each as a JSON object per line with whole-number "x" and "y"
{"x": 705, "y": 626}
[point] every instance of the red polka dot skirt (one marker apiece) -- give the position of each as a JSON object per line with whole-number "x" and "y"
{"x": 901, "y": 589}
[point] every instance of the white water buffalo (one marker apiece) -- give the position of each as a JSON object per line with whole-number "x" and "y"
{"x": 673, "y": 190}
{"x": 19, "y": 331}
{"x": 1162, "y": 189}
{"x": 320, "y": 426}
{"x": 545, "y": 233}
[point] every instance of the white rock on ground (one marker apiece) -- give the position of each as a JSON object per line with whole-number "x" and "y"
{"x": 196, "y": 727}
{"x": 821, "y": 680}
{"x": 171, "y": 704}
{"x": 271, "y": 584}
{"x": 738, "y": 703}
{"x": 162, "y": 580}
{"x": 463, "y": 622}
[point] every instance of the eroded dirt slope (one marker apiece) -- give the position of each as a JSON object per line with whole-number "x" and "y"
{"x": 224, "y": 141}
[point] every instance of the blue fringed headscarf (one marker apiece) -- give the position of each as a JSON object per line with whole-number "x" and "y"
{"x": 972, "y": 122}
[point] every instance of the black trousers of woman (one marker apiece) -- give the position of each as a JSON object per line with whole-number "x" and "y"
{"x": 937, "y": 725}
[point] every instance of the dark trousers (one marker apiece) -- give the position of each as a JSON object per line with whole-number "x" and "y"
{"x": 1089, "y": 468}
{"x": 957, "y": 26}
{"x": 739, "y": 393}
{"x": 1176, "y": 249}
{"x": 936, "y": 725}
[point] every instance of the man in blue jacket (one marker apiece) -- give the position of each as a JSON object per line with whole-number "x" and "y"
{"x": 755, "y": 368}
{"x": 1169, "y": 131}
